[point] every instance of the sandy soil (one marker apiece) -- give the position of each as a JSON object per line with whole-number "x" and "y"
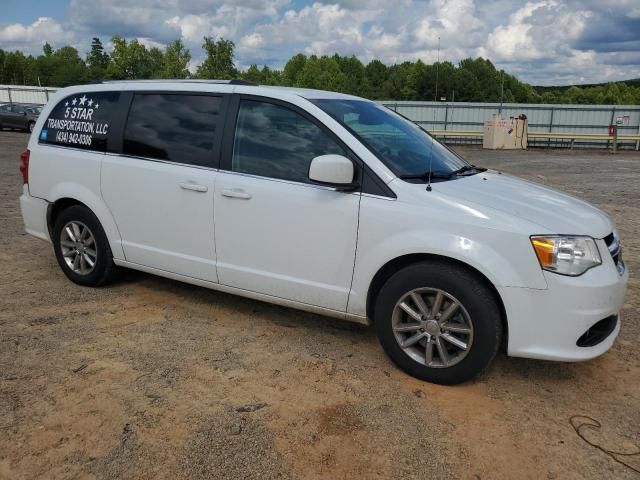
{"x": 151, "y": 378}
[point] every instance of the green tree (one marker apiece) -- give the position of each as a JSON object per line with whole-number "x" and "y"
{"x": 97, "y": 60}
{"x": 131, "y": 60}
{"x": 473, "y": 79}
{"x": 355, "y": 78}
{"x": 465, "y": 87}
{"x": 68, "y": 68}
{"x": 176, "y": 60}
{"x": 3, "y": 55}
{"x": 399, "y": 85}
{"x": 292, "y": 69}
{"x": 322, "y": 73}
{"x": 218, "y": 63}
{"x": 14, "y": 68}
{"x": 155, "y": 63}
{"x": 376, "y": 74}
{"x": 253, "y": 74}
{"x": 271, "y": 77}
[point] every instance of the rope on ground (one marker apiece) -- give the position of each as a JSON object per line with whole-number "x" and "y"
{"x": 594, "y": 424}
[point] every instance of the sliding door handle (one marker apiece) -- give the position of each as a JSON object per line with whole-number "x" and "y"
{"x": 235, "y": 193}
{"x": 194, "y": 187}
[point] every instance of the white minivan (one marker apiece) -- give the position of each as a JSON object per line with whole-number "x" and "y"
{"x": 328, "y": 203}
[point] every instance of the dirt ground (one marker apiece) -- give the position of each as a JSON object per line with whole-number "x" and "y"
{"x": 150, "y": 378}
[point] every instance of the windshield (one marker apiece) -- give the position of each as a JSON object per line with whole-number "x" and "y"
{"x": 403, "y": 146}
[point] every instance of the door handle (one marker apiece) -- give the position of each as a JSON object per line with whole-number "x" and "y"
{"x": 194, "y": 187}
{"x": 235, "y": 193}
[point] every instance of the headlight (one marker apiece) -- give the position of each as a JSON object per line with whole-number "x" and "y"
{"x": 566, "y": 255}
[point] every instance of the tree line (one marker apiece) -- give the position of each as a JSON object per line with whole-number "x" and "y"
{"x": 471, "y": 80}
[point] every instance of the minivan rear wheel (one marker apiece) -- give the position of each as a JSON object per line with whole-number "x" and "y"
{"x": 82, "y": 248}
{"x": 438, "y": 322}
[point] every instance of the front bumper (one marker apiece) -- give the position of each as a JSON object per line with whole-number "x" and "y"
{"x": 547, "y": 324}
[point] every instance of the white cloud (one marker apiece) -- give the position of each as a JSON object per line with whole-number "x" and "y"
{"x": 32, "y": 37}
{"x": 542, "y": 41}
{"x": 149, "y": 43}
{"x": 254, "y": 40}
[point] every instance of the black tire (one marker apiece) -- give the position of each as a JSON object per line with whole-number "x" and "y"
{"x": 104, "y": 270}
{"x": 475, "y": 296}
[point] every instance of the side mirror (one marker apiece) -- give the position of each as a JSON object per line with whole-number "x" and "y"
{"x": 333, "y": 171}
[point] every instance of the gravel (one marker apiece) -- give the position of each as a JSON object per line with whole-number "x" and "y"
{"x": 150, "y": 378}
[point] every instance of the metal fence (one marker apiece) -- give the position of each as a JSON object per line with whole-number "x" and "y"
{"x": 547, "y": 118}
{"x": 462, "y": 116}
{"x": 24, "y": 94}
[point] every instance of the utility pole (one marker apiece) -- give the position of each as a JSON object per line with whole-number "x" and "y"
{"x": 435, "y": 97}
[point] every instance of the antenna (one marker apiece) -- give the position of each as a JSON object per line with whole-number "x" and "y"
{"x": 435, "y": 99}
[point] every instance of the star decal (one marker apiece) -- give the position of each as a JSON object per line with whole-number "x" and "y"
{"x": 66, "y": 104}
{"x": 90, "y": 102}
{"x": 96, "y": 106}
{"x": 73, "y": 102}
{"x": 83, "y": 99}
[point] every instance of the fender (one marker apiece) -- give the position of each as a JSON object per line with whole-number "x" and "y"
{"x": 493, "y": 257}
{"x": 94, "y": 203}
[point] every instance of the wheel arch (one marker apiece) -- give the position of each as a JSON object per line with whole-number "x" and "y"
{"x": 98, "y": 209}
{"x": 395, "y": 265}
{"x": 56, "y": 208}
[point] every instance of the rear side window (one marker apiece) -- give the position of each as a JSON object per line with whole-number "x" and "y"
{"x": 277, "y": 142}
{"x": 81, "y": 121}
{"x": 175, "y": 127}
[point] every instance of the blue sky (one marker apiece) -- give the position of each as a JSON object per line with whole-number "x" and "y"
{"x": 14, "y": 11}
{"x": 544, "y": 42}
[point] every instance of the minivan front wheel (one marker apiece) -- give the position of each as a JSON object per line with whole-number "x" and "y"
{"x": 438, "y": 322}
{"x": 82, "y": 248}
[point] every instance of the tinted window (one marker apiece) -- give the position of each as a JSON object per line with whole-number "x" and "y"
{"x": 175, "y": 127}
{"x": 400, "y": 144}
{"x": 274, "y": 141}
{"x": 81, "y": 121}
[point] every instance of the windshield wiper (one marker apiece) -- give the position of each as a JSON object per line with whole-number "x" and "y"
{"x": 425, "y": 176}
{"x": 468, "y": 168}
{"x": 439, "y": 175}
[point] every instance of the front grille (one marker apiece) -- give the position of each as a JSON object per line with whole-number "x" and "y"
{"x": 615, "y": 249}
{"x": 598, "y": 332}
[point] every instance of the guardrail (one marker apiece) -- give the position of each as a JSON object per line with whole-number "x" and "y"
{"x": 571, "y": 137}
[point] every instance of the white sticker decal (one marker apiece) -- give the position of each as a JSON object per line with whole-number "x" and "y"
{"x": 79, "y": 124}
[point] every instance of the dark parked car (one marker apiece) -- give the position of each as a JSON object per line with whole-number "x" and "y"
{"x": 18, "y": 116}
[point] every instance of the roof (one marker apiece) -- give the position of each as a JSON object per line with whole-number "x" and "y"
{"x": 311, "y": 93}
{"x": 307, "y": 93}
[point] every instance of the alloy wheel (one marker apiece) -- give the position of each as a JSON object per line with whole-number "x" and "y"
{"x": 432, "y": 327}
{"x": 78, "y": 247}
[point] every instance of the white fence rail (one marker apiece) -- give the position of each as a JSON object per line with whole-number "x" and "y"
{"x": 560, "y": 121}
{"x": 25, "y": 94}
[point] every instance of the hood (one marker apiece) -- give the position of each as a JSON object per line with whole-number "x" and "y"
{"x": 557, "y": 212}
